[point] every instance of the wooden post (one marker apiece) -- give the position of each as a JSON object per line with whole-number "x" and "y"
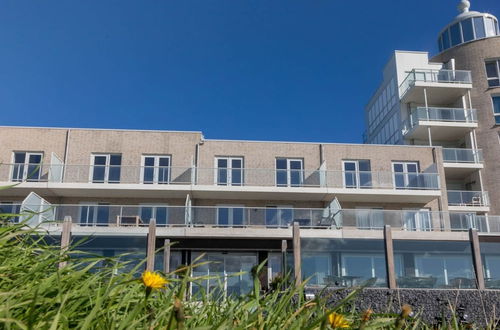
{"x": 476, "y": 257}
{"x": 296, "y": 253}
{"x": 150, "y": 257}
{"x": 65, "y": 237}
{"x": 389, "y": 257}
{"x": 283, "y": 258}
{"x": 166, "y": 256}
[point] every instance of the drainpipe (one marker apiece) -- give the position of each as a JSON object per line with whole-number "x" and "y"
{"x": 66, "y": 152}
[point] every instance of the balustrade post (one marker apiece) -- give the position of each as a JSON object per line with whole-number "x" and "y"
{"x": 297, "y": 254}
{"x": 151, "y": 245}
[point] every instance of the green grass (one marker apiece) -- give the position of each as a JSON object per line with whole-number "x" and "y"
{"x": 36, "y": 294}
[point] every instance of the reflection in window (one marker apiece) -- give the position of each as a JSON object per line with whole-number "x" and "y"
{"x": 344, "y": 262}
{"x": 496, "y": 109}
{"x": 479, "y": 27}
{"x": 456, "y": 37}
{"x": 430, "y": 264}
{"x": 467, "y": 29}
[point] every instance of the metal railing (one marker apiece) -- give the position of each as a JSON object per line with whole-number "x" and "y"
{"x": 443, "y": 114}
{"x": 229, "y": 177}
{"x": 468, "y": 198}
{"x": 434, "y": 76}
{"x": 458, "y": 155}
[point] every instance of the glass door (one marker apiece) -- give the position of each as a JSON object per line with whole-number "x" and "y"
{"x": 229, "y": 171}
{"x": 155, "y": 170}
{"x": 94, "y": 214}
{"x": 289, "y": 172}
{"x": 26, "y": 166}
{"x": 230, "y": 215}
{"x": 106, "y": 168}
{"x": 357, "y": 174}
{"x": 406, "y": 175}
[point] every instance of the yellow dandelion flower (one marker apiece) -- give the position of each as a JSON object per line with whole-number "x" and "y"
{"x": 367, "y": 315}
{"x": 337, "y": 321}
{"x": 153, "y": 280}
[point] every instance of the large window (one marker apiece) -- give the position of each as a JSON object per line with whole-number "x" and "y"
{"x": 26, "y": 166}
{"x": 490, "y": 253}
{"x": 229, "y": 171}
{"x": 357, "y": 174}
{"x": 405, "y": 175}
{"x": 106, "y": 168}
{"x": 496, "y": 109}
{"x": 433, "y": 264}
{"x": 289, "y": 172}
{"x": 279, "y": 215}
{"x": 157, "y": 212}
{"x": 94, "y": 214}
{"x": 155, "y": 169}
{"x": 230, "y": 215}
{"x": 493, "y": 73}
{"x": 8, "y": 210}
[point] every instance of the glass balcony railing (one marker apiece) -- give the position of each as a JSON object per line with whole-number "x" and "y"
{"x": 434, "y": 76}
{"x": 139, "y": 216}
{"x": 234, "y": 177}
{"x": 458, "y": 155}
{"x": 468, "y": 198}
{"x": 443, "y": 114}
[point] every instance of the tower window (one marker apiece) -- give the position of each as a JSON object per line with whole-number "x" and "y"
{"x": 496, "y": 109}
{"x": 493, "y": 73}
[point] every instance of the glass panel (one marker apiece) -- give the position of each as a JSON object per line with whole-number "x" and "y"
{"x": 490, "y": 27}
{"x": 286, "y": 217}
{"x": 398, "y": 168}
{"x": 493, "y": 82}
{"x": 222, "y": 176}
{"x": 479, "y": 27}
{"x": 100, "y": 160}
{"x": 114, "y": 174}
{"x": 467, "y": 29}
{"x": 317, "y": 267}
{"x": 236, "y": 177}
{"x": 281, "y": 164}
{"x": 491, "y": 69}
{"x": 238, "y": 214}
{"x": 446, "y": 39}
{"x": 496, "y": 104}
{"x": 103, "y": 215}
{"x": 148, "y": 174}
{"x": 161, "y": 215}
{"x": 164, "y": 161}
{"x": 296, "y": 173}
{"x": 164, "y": 174}
{"x": 497, "y": 120}
{"x": 222, "y": 163}
{"x": 432, "y": 264}
{"x": 271, "y": 216}
{"x": 146, "y": 213}
{"x": 19, "y": 157}
{"x": 223, "y": 216}
{"x": 98, "y": 173}
{"x": 115, "y": 160}
{"x": 456, "y": 38}
{"x": 149, "y": 161}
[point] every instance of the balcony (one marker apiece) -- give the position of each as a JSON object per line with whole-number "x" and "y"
{"x": 443, "y": 86}
{"x": 484, "y": 224}
{"x": 446, "y": 124}
{"x": 459, "y": 163}
{"x": 108, "y": 218}
{"x": 477, "y": 201}
{"x": 223, "y": 183}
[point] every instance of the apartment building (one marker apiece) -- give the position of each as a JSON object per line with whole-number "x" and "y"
{"x": 339, "y": 214}
{"x": 450, "y": 100}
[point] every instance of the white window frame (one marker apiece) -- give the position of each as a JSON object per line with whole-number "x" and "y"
{"x": 230, "y": 220}
{"x": 495, "y": 115}
{"x": 497, "y": 62}
{"x": 106, "y": 166}
{"x": 356, "y": 171}
{"x": 26, "y": 165}
{"x": 154, "y": 208}
{"x": 405, "y": 172}
{"x": 156, "y": 168}
{"x": 420, "y": 221}
{"x": 95, "y": 206}
{"x": 289, "y": 172}
{"x": 229, "y": 170}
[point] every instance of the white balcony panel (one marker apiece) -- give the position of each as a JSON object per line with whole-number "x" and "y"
{"x": 437, "y": 93}
{"x": 460, "y": 170}
{"x": 440, "y": 131}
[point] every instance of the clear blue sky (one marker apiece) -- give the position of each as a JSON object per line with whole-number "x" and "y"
{"x": 234, "y": 69}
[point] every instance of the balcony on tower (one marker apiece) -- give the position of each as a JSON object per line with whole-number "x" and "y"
{"x": 460, "y": 162}
{"x": 436, "y": 86}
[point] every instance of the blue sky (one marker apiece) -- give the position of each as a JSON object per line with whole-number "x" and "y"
{"x": 234, "y": 69}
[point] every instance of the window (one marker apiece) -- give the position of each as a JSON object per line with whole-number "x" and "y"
{"x": 446, "y": 39}
{"x": 157, "y": 212}
{"x": 155, "y": 170}
{"x": 8, "y": 208}
{"x": 230, "y": 215}
{"x": 358, "y": 268}
{"x": 92, "y": 214}
{"x": 493, "y": 73}
{"x": 229, "y": 171}
{"x": 405, "y": 175}
{"x": 289, "y": 172}
{"x": 417, "y": 220}
{"x": 479, "y": 27}
{"x": 456, "y": 37}
{"x": 357, "y": 174}
{"x": 106, "y": 168}
{"x": 491, "y": 27}
{"x": 467, "y": 30}
{"x": 449, "y": 271}
{"x": 496, "y": 109}
{"x": 279, "y": 215}
{"x": 26, "y": 166}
